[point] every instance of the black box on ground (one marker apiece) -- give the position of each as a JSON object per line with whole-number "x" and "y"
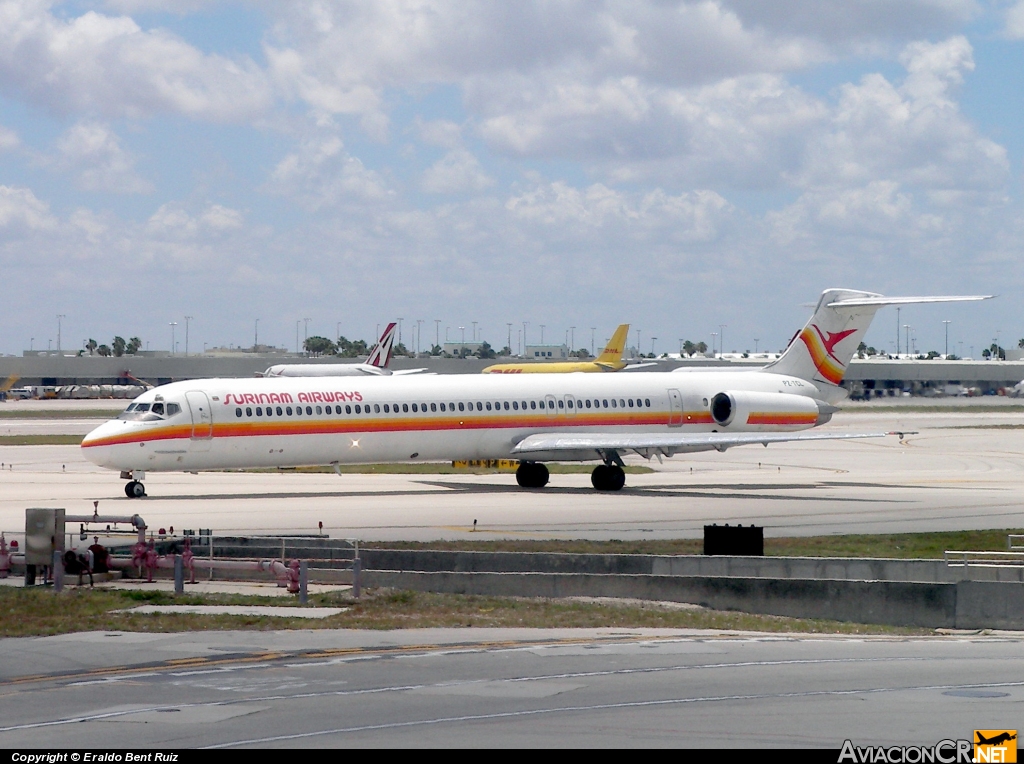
{"x": 734, "y": 540}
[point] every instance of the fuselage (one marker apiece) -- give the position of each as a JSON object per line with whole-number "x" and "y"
{"x": 555, "y": 367}
{"x": 290, "y": 421}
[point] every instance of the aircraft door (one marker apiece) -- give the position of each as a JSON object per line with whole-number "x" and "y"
{"x": 549, "y": 405}
{"x": 675, "y": 409}
{"x": 202, "y": 418}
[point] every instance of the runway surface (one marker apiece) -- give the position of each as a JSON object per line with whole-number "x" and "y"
{"x": 500, "y": 687}
{"x": 963, "y": 470}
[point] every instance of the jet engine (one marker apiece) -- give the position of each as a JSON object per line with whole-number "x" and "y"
{"x": 742, "y": 410}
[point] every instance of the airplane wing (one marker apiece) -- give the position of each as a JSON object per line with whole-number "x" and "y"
{"x": 646, "y": 444}
{"x": 403, "y": 372}
{"x": 635, "y": 366}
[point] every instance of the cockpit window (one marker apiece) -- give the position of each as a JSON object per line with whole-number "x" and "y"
{"x": 150, "y": 412}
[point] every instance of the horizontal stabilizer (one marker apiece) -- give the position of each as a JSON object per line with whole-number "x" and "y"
{"x": 879, "y": 302}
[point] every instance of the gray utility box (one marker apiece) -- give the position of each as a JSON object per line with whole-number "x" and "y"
{"x": 44, "y": 535}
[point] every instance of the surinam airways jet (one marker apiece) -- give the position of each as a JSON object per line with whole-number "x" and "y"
{"x": 609, "y": 360}
{"x": 376, "y": 364}
{"x": 287, "y": 422}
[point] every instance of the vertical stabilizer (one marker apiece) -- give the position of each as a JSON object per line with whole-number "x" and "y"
{"x": 380, "y": 356}
{"x": 616, "y": 346}
{"x": 822, "y": 350}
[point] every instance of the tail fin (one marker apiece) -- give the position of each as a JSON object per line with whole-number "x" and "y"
{"x": 380, "y": 356}
{"x": 616, "y": 346}
{"x": 822, "y": 350}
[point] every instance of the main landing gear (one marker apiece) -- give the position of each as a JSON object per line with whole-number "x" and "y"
{"x": 608, "y": 477}
{"x": 532, "y": 475}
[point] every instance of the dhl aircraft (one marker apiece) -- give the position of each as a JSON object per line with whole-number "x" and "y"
{"x": 376, "y": 364}
{"x": 609, "y": 360}
{"x": 291, "y": 421}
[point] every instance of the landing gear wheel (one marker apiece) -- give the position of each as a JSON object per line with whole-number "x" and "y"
{"x": 134, "y": 490}
{"x": 607, "y": 477}
{"x": 532, "y": 475}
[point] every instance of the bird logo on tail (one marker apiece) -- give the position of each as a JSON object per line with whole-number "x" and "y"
{"x": 822, "y": 350}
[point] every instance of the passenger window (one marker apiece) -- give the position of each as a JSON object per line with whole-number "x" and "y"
{"x": 533, "y": 404}
{"x": 647, "y": 402}
{"x": 622, "y": 403}
{"x": 604, "y": 403}
{"x": 480, "y": 406}
{"x": 506, "y": 405}
{"x": 387, "y": 408}
{"x": 488, "y": 405}
{"x": 423, "y": 407}
{"x": 587, "y": 402}
{"x": 433, "y": 407}
{"x": 259, "y": 411}
{"x": 515, "y": 405}
{"x": 451, "y": 407}
{"x": 569, "y": 402}
{"x": 248, "y": 411}
{"x": 329, "y": 410}
{"x": 442, "y": 407}
{"x": 348, "y": 408}
{"x": 631, "y": 403}
{"x": 405, "y": 407}
{"x": 238, "y": 412}
{"x": 358, "y": 410}
{"x": 288, "y": 410}
{"x": 298, "y": 411}
{"x": 309, "y": 411}
{"x": 376, "y": 408}
{"x": 613, "y": 403}
{"x": 461, "y": 406}
{"x": 413, "y": 408}
{"x": 318, "y": 410}
{"x": 561, "y": 403}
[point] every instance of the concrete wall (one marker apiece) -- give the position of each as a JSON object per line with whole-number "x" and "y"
{"x": 842, "y": 568}
{"x": 964, "y": 605}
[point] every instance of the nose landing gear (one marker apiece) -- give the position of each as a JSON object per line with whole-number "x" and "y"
{"x": 134, "y": 490}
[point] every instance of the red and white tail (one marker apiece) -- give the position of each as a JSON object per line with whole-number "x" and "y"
{"x": 380, "y": 356}
{"x": 822, "y": 350}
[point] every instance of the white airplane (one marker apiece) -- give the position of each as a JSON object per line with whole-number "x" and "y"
{"x": 287, "y": 422}
{"x": 376, "y": 364}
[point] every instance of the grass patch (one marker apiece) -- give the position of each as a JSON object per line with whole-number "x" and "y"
{"x": 898, "y": 545}
{"x": 436, "y": 468}
{"x": 40, "y": 440}
{"x": 63, "y": 413}
{"x": 39, "y": 612}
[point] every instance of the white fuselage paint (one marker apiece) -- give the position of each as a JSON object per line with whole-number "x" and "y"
{"x": 213, "y": 436}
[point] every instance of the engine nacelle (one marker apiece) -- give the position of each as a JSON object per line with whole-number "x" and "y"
{"x": 742, "y": 410}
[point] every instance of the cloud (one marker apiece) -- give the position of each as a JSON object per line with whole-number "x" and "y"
{"x": 321, "y": 173}
{"x": 108, "y": 65}
{"x": 456, "y": 172}
{"x": 94, "y": 153}
{"x": 1015, "y": 21}
{"x": 8, "y": 139}
{"x": 21, "y": 211}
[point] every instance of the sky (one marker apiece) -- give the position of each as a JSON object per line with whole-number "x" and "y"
{"x": 688, "y": 167}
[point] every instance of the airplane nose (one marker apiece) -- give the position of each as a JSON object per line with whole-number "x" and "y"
{"x": 96, "y": 445}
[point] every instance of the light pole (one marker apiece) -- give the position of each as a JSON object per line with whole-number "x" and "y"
{"x": 172, "y": 325}
{"x": 542, "y": 334}
{"x": 906, "y": 345}
{"x": 255, "y": 337}
{"x": 474, "y": 330}
{"x": 714, "y": 337}
{"x": 419, "y": 333}
{"x": 305, "y": 330}
{"x": 721, "y": 338}
{"x": 572, "y": 337}
{"x": 187, "y": 319}
{"x": 947, "y": 323}
{"x": 462, "y": 350}
{"x": 898, "y": 332}
{"x": 446, "y": 334}
{"x": 652, "y": 344}
{"x": 638, "y": 342}
{"x": 297, "y": 322}
{"x": 437, "y": 331}
{"x": 756, "y": 340}
{"x": 509, "y": 325}
{"x": 400, "y": 320}
{"x": 59, "y": 317}
{"x": 681, "y": 347}
{"x": 592, "y": 330}
{"x": 524, "y": 336}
